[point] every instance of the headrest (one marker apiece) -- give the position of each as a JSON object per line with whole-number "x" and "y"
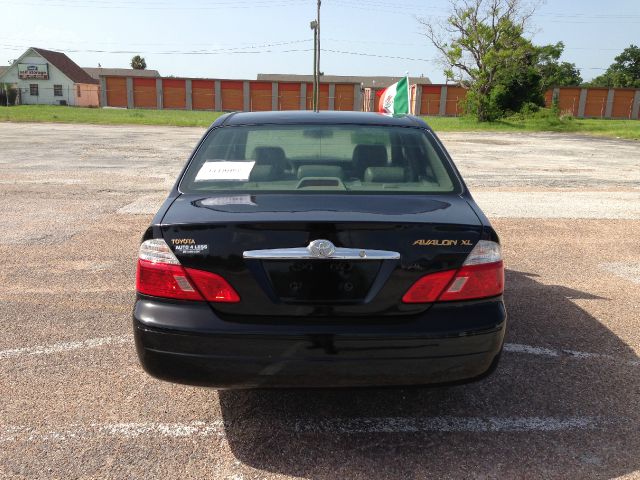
{"x": 384, "y": 175}
{"x": 370, "y": 155}
{"x": 320, "y": 171}
{"x": 270, "y": 156}
{"x": 262, "y": 173}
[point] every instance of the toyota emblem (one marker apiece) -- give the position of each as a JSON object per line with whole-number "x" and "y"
{"x": 321, "y": 248}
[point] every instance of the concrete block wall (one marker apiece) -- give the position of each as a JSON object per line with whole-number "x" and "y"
{"x": 582, "y": 102}
{"x": 252, "y": 95}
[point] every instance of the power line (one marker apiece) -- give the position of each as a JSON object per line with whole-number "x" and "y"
{"x": 375, "y": 55}
{"x": 173, "y": 52}
{"x": 234, "y": 52}
{"x": 179, "y": 52}
{"x": 409, "y": 10}
{"x": 156, "y": 7}
{"x": 403, "y": 44}
{"x": 373, "y": 5}
{"x": 13, "y": 42}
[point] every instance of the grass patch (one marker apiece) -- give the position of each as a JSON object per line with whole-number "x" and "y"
{"x": 542, "y": 121}
{"x": 106, "y": 116}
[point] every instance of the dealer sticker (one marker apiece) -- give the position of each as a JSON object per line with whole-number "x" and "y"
{"x": 188, "y": 246}
{"x": 234, "y": 171}
{"x": 196, "y": 249}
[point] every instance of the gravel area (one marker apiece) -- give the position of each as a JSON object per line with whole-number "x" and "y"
{"x": 76, "y": 404}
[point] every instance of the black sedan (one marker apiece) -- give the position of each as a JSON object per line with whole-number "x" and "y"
{"x": 306, "y": 249}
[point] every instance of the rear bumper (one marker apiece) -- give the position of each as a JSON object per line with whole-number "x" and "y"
{"x": 188, "y": 343}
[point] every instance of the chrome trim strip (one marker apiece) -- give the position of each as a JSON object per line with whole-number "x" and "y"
{"x": 303, "y": 253}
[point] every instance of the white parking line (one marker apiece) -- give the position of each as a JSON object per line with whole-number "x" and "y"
{"x": 627, "y": 270}
{"x": 304, "y": 426}
{"x": 446, "y": 424}
{"x": 66, "y": 346}
{"x": 549, "y": 352}
{"x": 92, "y": 343}
{"x": 120, "y": 430}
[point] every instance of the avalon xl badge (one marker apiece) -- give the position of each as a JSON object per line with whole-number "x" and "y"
{"x": 321, "y": 248}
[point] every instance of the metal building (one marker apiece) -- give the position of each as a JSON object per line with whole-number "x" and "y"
{"x": 44, "y": 77}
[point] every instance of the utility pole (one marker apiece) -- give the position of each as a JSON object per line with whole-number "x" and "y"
{"x": 318, "y": 71}
{"x": 315, "y": 26}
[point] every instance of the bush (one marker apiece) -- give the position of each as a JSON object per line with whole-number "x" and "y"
{"x": 12, "y": 94}
{"x": 8, "y": 95}
{"x": 486, "y": 108}
{"x": 546, "y": 115}
{"x": 529, "y": 108}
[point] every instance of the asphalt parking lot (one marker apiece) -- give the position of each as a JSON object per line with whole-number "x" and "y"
{"x": 564, "y": 403}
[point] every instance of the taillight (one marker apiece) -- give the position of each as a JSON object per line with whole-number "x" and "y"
{"x": 476, "y": 281}
{"x": 160, "y": 274}
{"x": 214, "y": 288}
{"x": 481, "y": 276}
{"x": 428, "y": 288}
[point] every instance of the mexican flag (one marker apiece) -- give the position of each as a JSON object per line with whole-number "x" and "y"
{"x": 395, "y": 98}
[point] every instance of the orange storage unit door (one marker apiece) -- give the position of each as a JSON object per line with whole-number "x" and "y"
{"x": 289, "y": 96}
{"x": 455, "y": 97}
{"x": 260, "y": 96}
{"x": 203, "y": 94}
{"x": 323, "y": 97}
{"x": 116, "y": 91}
{"x": 430, "y": 104}
{"x": 344, "y": 97}
{"x": 144, "y": 93}
{"x": 569, "y": 100}
{"x": 231, "y": 92}
{"x": 596, "y": 104}
{"x": 309, "y": 96}
{"x": 622, "y": 103}
{"x": 174, "y": 93}
{"x": 548, "y": 98}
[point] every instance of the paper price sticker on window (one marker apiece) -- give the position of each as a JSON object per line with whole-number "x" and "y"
{"x": 226, "y": 171}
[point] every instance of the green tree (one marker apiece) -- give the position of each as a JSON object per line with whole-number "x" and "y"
{"x": 482, "y": 44}
{"x": 623, "y": 72}
{"x": 138, "y": 63}
{"x": 553, "y": 72}
{"x": 522, "y": 84}
{"x": 518, "y": 84}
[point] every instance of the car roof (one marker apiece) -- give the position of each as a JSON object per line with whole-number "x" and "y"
{"x": 315, "y": 118}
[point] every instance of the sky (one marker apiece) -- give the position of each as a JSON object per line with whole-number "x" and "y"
{"x": 241, "y": 38}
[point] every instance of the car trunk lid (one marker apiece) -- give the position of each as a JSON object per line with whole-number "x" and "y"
{"x": 416, "y": 235}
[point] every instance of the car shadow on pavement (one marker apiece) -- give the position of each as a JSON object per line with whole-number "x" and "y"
{"x": 548, "y": 411}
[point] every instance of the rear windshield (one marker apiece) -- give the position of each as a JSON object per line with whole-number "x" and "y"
{"x": 312, "y": 158}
